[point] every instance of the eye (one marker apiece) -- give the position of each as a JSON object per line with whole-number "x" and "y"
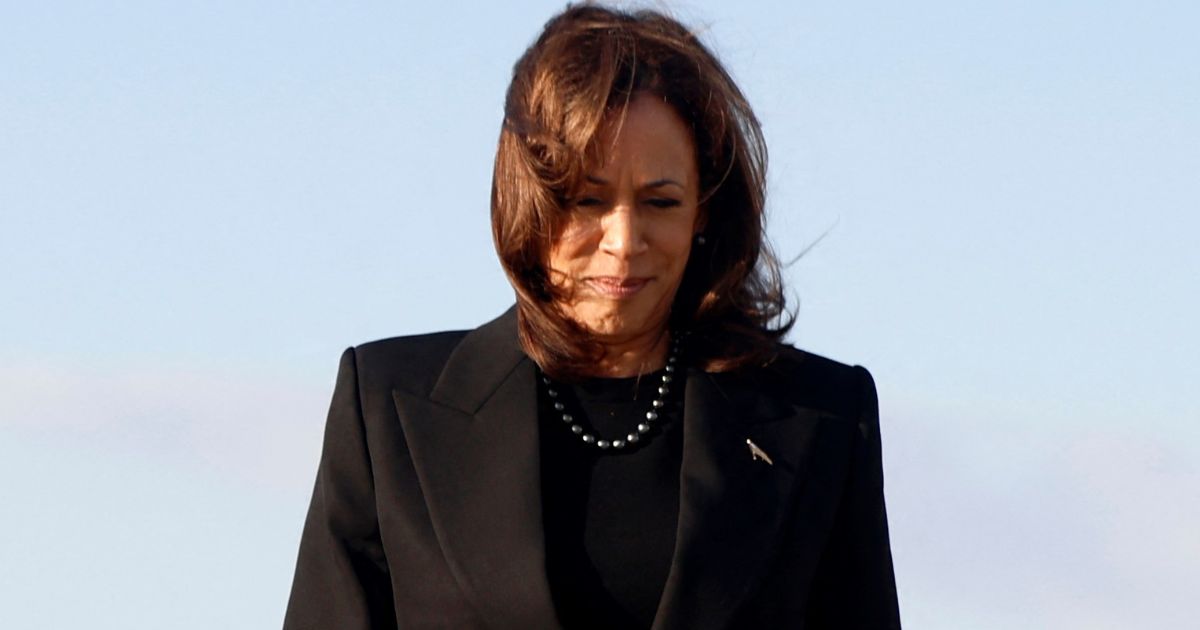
{"x": 663, "y": 202}
{"x": 587, "y": 202}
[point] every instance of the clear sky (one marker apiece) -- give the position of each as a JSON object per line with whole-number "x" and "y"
{"x": 203, "y": 203}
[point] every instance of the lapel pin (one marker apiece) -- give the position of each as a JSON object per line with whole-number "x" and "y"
{"x": 757, "y": 453}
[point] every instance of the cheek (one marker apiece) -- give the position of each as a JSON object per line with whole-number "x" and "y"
{"x": 576, "y": 229}
{"x": 572, "y": 250}
{"x": 679, "y": 262}
{"x": 676, "y": 246}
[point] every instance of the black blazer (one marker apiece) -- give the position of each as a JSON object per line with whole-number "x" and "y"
{"x": 427, "y": 508}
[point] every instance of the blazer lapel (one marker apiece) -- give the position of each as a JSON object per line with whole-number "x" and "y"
{"x": 474, "y": 444}
{"x": 731, "y": 506}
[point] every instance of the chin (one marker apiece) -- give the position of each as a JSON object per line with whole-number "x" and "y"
{"x": 616, "y": 322}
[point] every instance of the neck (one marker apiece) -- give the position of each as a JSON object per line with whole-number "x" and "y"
{"x": 635, "y": 356}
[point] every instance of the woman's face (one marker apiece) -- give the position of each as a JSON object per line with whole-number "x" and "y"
{"x": 621, "y": 253}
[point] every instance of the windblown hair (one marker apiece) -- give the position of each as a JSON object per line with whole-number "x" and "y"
{"x": 589, "y": 62}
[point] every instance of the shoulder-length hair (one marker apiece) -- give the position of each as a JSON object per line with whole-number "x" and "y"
{"x": 588, "y": 62}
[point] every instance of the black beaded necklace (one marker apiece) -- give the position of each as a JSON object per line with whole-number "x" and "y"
{"x": 642, "y": 428}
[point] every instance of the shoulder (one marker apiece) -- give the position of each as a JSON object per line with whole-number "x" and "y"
{"x": 810, "y": 380}
{"x": 410, "y": 362}
{"x": 417, "y": 363}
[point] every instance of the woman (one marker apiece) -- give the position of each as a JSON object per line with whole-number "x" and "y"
{"x": 630, "y": 445}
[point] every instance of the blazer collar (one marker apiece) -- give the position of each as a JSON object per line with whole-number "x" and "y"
{"x": 731, "y": 506}
{"x": 474, "y": 444}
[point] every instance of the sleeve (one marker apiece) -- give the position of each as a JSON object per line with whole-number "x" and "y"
{"x": 342, "y": 580}
{"x": 855, "y": 586}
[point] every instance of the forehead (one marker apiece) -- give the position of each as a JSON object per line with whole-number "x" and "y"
{"x": 646, "y": 135}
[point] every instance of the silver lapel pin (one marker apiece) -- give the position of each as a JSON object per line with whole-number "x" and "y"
{"x": 757, "y": 453}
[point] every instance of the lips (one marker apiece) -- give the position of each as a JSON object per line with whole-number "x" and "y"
{"x": 615, "y": 286}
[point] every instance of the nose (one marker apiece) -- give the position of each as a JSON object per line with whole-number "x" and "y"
{"x": 623, "y": 235}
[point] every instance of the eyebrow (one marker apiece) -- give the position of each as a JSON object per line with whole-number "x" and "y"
{"x": 658, "y": 183}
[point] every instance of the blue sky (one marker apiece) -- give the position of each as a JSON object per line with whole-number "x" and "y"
{"x": 203, "y": 203}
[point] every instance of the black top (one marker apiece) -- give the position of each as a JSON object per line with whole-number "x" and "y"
{"x": 610, "y": 516}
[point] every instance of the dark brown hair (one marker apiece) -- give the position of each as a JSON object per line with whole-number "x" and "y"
{"x": 588, "y": 62}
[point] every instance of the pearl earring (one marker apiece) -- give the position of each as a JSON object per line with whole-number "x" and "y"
{"x": 700, "y": 240}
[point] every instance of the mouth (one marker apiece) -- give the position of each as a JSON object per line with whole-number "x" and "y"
{"x": 616, "y": 287}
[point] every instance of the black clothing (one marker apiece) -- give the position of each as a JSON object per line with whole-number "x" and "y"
{"x": 610, "y": 515}
{"x": 427, "y": 507}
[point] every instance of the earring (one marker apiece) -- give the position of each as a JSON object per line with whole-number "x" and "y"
{"x": 700, "y": 240}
